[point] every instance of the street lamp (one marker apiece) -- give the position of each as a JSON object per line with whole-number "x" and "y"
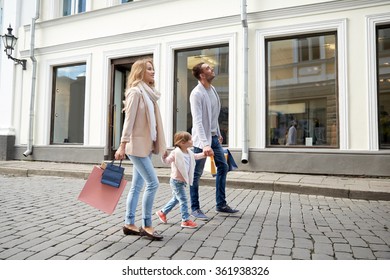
{"x": 9, "y": 42}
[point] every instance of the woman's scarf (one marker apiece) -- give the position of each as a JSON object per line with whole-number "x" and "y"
{"x": 156, "y": 129}
{"x": 150, "y": 97}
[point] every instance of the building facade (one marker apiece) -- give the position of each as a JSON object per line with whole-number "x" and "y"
{"x": 304, "y": 84}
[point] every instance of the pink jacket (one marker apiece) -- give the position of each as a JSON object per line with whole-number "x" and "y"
{"x": 178, "y": 165}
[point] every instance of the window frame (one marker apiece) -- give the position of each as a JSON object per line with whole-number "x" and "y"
{"x": 223, "y": 70}
{"x": 231, "y": 40}
{"x": 48, "y": 94}
{"x": 340, "y": 26}
{"x": 373, "y": 124}
{"x": 74, "y": 7}
{"x": 53, "y": 103}
{"x": 381, "y": 145}
{"x": 58, "y": 7}
{"x": 306, "y": 37}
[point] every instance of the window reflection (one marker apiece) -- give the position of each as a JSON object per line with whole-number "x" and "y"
{"x": 301, "y": 91}
{"x": 70, "y": 7}
{"x": 185, "y": 60}
{"x": 68, "y": 105}
{"x": 383, "y": 42}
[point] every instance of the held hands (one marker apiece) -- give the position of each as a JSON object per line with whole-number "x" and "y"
{"x": 164, "y": 157}
{"x": 207, "y": 151}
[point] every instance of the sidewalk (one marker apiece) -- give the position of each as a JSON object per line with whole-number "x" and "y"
{"x": 334, "y": 186}
{"x": 42, "y": 219}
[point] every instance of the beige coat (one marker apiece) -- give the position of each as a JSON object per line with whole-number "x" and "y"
{"x": 136, "y": 132}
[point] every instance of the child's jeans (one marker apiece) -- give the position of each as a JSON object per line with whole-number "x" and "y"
{"x": 178, "y": 196}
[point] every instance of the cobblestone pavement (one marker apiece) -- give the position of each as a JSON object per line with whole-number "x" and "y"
{"x": 41, "y": 218}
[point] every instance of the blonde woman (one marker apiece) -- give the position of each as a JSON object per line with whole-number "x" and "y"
{"x": 142, "y": 135}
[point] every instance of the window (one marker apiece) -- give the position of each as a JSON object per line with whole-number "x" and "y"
{"x": 383, "y": 62}
{"x": 126, "y": 1}
{"x": 70, "y": 7}
{"x": 309, "y": 49}
{"x": 185, "y": 60}
{"x": 67, "y": 126}
{"x": 302, "y": 91}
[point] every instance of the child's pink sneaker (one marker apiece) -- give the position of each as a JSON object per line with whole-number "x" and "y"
{"x": 162, "y": 216}
{"x": 189, "y": 224}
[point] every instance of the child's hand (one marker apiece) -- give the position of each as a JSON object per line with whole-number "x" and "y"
{"x": 164, "y": 156}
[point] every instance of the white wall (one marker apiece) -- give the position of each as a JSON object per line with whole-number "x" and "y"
{"x": 156, "y": 27}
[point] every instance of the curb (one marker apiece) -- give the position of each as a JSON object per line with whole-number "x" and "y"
{"x": 308, "y": 189}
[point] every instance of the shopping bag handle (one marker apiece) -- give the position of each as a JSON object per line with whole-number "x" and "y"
{"x": 120, "y": 163}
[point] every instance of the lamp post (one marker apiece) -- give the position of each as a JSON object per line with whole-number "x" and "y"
{"x": 9, "y": 41}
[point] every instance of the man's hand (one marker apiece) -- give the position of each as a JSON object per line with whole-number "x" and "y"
{"x": 208, "y": 151}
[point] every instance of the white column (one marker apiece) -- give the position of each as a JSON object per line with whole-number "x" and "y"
{"x": 8, "y": 70}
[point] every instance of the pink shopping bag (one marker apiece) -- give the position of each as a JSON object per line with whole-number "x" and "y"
{"x": 101, "y": 196}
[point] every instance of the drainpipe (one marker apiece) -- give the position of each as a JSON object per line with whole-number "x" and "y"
{"x": 244, "y": 157}
{"x": 29, "y": 150}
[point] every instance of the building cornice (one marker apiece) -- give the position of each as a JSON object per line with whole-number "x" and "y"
{"x": 283, "y": 13}
{"x": 100, "y": 12}
{"x": 314, "y": 9}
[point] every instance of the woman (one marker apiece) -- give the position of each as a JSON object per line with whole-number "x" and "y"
{"x": 142, "y": 135}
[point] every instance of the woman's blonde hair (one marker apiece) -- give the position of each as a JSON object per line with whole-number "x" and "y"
{"x": 181, "y": 137}
{"x": 137, "y": 72}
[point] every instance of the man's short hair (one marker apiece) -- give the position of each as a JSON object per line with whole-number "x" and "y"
{"x": 197, "y": 70}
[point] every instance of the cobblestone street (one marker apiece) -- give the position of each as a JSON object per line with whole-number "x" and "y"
{"x": 42, "y": 219}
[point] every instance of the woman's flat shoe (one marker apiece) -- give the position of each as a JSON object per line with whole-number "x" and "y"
{"x": 128, "y": 231}
{"x": 154, "y": 236}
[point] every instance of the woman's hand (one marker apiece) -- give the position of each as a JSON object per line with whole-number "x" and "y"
{"x": 120, "y": 153}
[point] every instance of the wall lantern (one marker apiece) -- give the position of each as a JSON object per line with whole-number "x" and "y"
{"x": 9, "y": 42}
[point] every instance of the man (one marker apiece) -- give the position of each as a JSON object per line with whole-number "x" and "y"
{"x": 206, "y": 136}
{"x": 292, "y": 134}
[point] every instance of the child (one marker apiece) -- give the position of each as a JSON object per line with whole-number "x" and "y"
{"x": 182, "y": 161}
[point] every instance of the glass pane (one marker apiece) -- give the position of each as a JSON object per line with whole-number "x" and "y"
{"x": 217, "y": 57}
{"x": 384, "y": 86}
{"x": 81, "y": 6}
{"x": 301, "y": 91}
{"x": 119, "y": 89}
{"x": 67, "y": 8}
{"x": 69, "y": 99}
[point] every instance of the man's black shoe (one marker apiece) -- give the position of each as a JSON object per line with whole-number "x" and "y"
{"x": 226, "y": 209}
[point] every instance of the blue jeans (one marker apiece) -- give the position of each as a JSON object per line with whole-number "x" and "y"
{"x": 220, "y": 179}
{"x": 178, "y": 196}
{"x": 143, "y": 171}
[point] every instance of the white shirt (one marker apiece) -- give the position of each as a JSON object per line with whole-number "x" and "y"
{"x": 187, "y": 160}
{"x": 214, "y": 111}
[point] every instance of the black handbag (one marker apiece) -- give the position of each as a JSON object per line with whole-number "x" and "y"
{"x": 113, "y": 174}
